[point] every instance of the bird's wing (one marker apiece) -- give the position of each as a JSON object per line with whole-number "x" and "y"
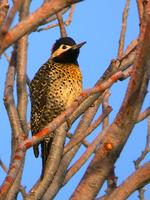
{"x": 38, "y": 93}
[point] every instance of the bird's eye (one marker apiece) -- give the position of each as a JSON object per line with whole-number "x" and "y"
{"x": 64, "y": 47}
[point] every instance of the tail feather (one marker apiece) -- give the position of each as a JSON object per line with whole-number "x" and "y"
{"x": 45, "y": 149}
{"x": 36, "y": 150}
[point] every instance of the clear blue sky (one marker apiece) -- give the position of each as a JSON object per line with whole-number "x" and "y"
{"x": 98, "y": 23}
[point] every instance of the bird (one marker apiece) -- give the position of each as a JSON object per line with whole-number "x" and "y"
{"x": 54, "y": 87}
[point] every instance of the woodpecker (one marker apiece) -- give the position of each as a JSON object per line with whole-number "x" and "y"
{"x": 54, "y": 87}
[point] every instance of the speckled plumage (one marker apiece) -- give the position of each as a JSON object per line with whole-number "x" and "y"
{"x": 55, "y": 86}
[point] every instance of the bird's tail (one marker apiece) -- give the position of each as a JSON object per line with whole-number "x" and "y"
{"x": 45, "y": 149}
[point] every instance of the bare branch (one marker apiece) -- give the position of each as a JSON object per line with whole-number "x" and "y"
{"x": 84, "y": 123}
{"x": 104, "y": 107}
{"x": 4, "y": 6}
{"x": 52, "y": 164}
{"x": 123, "y": 31}
{"x": 143, "y": 115}
{"x": 47, "y": 9}
{"x": 67, "y": 22}
{"x": 140, "y": 9}
{"x": 69, "y": 19}
{"x": 48, "y": 27}
{"x": 84, "y": 142}
{"x": 76, "y": 140}
{"x": 148, "y": 134}
{"x": 21, "y": 70}
{"x": 22, "y": 95}
{"x": 118, "y": 132}
{"x": 137, "y": 180}
{"x": 7, "y": 57}
{"x": 142, "y": 157}
{"x": 61, "y": 25}
{"x": 14, "y": 9}
{"x": 3, "y": 166}
{"x": 85, "y": 156}
{"x": 9, "y": 99}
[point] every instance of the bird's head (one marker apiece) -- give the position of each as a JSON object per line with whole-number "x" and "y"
{"x": 65, "y": 50}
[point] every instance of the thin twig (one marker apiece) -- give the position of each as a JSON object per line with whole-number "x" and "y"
{"x": 123, "y": 30}
{"x": 143, "y": 115}
{"x": 105, "y": 105}
{"x": 142, "y": 157}
{"x": 62, "y": 28}
{"x": 66, "y": 22}
{"x": 3, "y": 166}
{"x": 7, "y": 57}
{"x": 84, "y": 142}
{"x": 69, "y": 19}
{"x": 146, "y": 149}
{"x": 140, "y": 8}
{"x": 48, "y": 27}
{"x": 148, "y": 134}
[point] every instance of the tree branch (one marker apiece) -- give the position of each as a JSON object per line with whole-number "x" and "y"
{"x": 140, "y": 9}
{"x": 29, "y": 24}
{"x": 63, "y": 32}
{"x": 137, "y": 180}
{"x": 118, "y": 133}
{"x": 4, "y": 6}
{"x": 77, "y": 139}
{"x": 52, "y": 164}
{"x": 21, "y": 70}
{"x": 123, "y": 31}
{"x": 11, "y": 15}
{"x": 66, "y": 22}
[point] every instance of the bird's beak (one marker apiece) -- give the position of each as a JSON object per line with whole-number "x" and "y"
{"x": 77, "y": 46}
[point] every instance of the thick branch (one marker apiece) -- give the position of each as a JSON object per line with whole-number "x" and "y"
{"x": 52, "y": 164}
{"x": 137, "y": 180}
{"x": 4, "y": 6}
{"x": 22, "y": 94}
{"x": 9, "y": 98}
{"x": 117, "y": 134}
{"x": 30, "y": 23}
{"x": 14, "y": 9}
{"x": 21, "y": 70}
{"x": 140, "y": 8}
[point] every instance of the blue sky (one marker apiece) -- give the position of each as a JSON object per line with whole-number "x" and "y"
{"x": 98, "y": 23}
